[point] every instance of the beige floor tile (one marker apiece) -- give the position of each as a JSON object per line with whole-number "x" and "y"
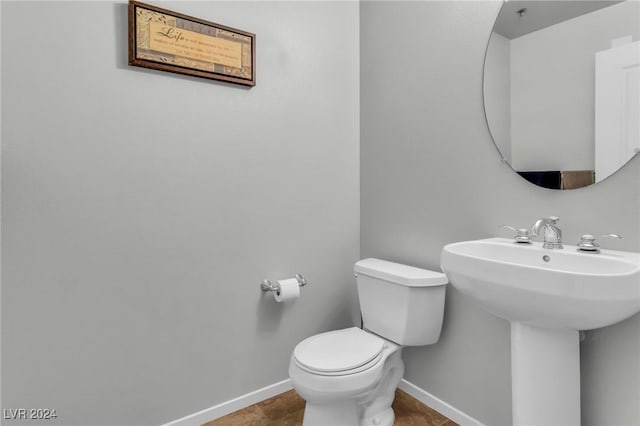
{"x": 291, "y": 419}
{"x": 281, "y": 405}
{"x": 287, "y": 409}
{"x": 250, "y": 416}
{"x": 411, "y": 412}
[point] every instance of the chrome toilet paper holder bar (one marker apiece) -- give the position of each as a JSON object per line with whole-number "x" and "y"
{"x": 267, "y": 285}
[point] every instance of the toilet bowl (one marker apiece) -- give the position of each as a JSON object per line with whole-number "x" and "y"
{"x": 343, "y": 372}
{"x": 348, "y": 377}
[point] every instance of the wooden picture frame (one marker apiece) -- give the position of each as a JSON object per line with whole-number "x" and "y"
{"x": 169, "y": 41}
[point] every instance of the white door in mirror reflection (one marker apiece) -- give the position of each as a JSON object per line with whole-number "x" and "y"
{"x": 617, "y": 119}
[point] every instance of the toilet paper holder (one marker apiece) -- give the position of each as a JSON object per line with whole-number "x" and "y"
{"x": 267, "y": 285}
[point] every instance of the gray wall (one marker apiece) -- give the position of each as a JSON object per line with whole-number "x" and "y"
{"x": 142, "y": 209}
{"x": 430, "y": 175}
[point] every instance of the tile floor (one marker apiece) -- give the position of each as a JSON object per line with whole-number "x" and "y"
{"x": 287, "y": 409}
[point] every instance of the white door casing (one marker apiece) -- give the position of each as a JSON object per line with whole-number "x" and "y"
{"x": 617, "y": 108}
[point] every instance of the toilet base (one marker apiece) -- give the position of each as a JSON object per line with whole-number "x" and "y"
{"x": 372, "y": 408}
{"x": 338, "y": 414}
{"x": 383, "y": 418}
{"x": 345, "y": 414}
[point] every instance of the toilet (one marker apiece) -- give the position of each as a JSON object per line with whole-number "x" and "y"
{"x": 348, "y": 377}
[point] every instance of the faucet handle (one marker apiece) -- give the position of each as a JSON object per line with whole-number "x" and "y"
{"x": 588, "y": 242}
{"x": 521, "y": 234}
{"x": 611, "y": 236}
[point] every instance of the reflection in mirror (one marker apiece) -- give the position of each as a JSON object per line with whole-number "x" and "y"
{"x": 562, "y": 89}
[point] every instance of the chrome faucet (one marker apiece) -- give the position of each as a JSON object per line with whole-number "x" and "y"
{"x": 552, "y": 236}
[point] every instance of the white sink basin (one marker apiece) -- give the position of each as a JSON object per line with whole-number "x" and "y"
{"x": 547, "y": 295}
{"x": 570, "y": 289}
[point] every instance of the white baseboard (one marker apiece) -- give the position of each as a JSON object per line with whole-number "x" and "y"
{"x": 449, "y": 411}
{"x": 235, "y": 404}
{"x": 267, "y": 392}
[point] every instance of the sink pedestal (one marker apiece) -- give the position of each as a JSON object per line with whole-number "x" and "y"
{"x": 545, "y": 376}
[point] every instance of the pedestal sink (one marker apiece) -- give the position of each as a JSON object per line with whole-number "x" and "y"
{"x": 548, "y": 296}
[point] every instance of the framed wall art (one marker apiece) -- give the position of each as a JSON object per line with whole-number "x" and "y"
{"x": 169, "y": 41}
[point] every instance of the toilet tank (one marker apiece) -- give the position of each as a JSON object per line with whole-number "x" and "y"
{"x": 399, "y": 302}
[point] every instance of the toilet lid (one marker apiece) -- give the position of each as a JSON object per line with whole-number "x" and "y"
{"x": 339, "y": 350}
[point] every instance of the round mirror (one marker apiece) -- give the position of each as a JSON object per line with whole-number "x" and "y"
{"x": 562, "y": 89}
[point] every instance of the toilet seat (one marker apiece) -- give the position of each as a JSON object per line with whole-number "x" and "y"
{"x": 339, "y": 352}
